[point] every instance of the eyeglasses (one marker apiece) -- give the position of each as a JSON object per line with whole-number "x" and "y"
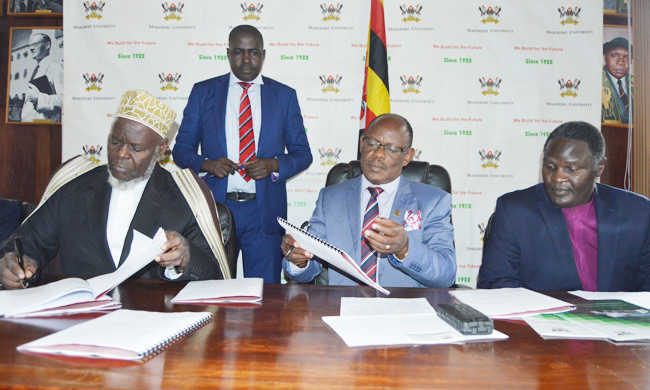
{"x": 35, "y": 44}
{"x": 373, "y": 145}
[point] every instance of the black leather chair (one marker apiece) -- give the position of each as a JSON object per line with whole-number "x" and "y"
{"x": 227, "y": 225}
{"x": 418, "y": 171}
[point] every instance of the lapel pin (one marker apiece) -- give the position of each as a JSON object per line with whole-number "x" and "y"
{"x": 396, "y": 213}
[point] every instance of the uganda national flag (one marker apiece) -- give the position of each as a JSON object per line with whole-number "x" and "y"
{"x": 375, "y": 100}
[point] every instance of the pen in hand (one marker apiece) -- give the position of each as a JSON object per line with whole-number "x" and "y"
{"x": 18, "y": 248}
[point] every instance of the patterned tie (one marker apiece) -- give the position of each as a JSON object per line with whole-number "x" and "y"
{"x": 621, "y": 92}
{"x": 246, "y": 135}
{"x": 368, "y": 255}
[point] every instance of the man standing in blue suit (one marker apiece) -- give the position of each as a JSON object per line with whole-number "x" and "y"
{"x": 252, "y": 140}
{"x": 398, "y": 231}
{"x": 569, "y": 233}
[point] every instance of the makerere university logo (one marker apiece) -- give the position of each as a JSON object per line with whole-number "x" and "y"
{"x": 93, "y": 154}
{"x": 173, "y": 11}
{"x": 570, "y": 16}
{"x": 489, "y": 86}
{"x": 330, "y": 83}
{"x": 167, "y": 158}
{"x": 569, "y": 88}
{"x": 169, "y": 82}
{"x": 252, "y": 11}
{"x": 94, "y": 10}
{"x": 331, "y": 12}
{"x": 489, "y": 159}
{"x": 329, "y": 156}
{"x": 489, "y": 14}
{"x": 411, "y": 84}
{"x": 410, "y": 13}
{"x": 93, "y": 81}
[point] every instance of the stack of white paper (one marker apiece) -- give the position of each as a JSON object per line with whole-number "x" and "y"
{"x": 246, "y": 290}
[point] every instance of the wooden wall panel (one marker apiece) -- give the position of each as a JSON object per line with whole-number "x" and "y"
{"x": 641, "y": 61}
{"x": 28, "y": 153}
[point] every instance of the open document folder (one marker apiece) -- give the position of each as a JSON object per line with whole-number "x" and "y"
{"x": 74, "y": 295}
{"x": 614, "y": 320}
{"x": 329, "y": 253}
{"x": 397, "y": 321}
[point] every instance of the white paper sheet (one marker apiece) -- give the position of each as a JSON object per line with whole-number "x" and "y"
{"x": 221, "y": 291}
{"x": 409, "y": 329}
{"x": 143, "y": 251}
{"x": 510, "y": 302}
{"x": 384, "y": 306}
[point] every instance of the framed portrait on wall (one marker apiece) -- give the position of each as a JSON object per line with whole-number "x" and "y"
{"x": 35, "y": 79}
{"x": 617, "y": 78}
{"x": 35, "y": 7}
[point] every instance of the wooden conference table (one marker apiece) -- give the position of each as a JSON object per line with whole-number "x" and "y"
{"x": 284, "y": 344}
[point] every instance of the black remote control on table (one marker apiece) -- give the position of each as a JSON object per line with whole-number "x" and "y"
{"x": 465, "y": 318}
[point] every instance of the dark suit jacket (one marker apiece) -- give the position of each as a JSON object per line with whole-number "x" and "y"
{"x": 529, "y": 245}
{"x": 73, "y": 223}
{"x": 9, "y": 218}
{"x": 282, "y": 127}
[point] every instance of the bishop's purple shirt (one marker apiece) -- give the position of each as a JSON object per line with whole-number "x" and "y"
{"x": 583, "y": 230}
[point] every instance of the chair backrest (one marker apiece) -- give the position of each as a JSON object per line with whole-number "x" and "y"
{"x": 418, "y": 171}
{"x": 26, "y": 208}
{"x": 227, "y": 225}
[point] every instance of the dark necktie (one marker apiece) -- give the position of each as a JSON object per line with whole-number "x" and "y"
{"x": 621, "y": 92}
{"x": 368, "y": 255}
{"x": 246, "y": 135}
{"x": 35, "y": 72}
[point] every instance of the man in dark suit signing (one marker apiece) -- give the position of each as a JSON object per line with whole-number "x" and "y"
{"x": 89, "y": 212}
{"x": 569, "y": 233}
{"x": 252, "y": 139}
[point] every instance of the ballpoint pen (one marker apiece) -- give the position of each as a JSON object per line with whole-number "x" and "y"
{"x": 18, "y": 248}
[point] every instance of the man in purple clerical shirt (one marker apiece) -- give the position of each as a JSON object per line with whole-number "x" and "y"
{"x": 569, "y": 232}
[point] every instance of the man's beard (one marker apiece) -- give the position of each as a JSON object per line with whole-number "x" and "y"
{"x": 128, "y": 185}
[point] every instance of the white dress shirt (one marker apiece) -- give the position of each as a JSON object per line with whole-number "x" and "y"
{"x": 236, "y": 182}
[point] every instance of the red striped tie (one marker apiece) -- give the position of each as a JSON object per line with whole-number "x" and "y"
{"x": 368, "y": 255}
{"x": 246, "y": 135}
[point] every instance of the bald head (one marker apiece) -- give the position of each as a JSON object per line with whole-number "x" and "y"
{"x": 382, "y": 119}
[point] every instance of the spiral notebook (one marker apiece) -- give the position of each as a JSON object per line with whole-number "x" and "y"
{"x": 329, "y": 253}
{"x": 123, "y": 334}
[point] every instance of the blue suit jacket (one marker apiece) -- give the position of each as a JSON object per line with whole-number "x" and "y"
{"x": 282, "y": 127}
{"x": 529, "y": 245}
{"x": 431, "y": 259}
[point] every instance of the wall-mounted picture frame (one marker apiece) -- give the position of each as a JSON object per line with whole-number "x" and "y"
{"x": 35, "y": 79}
{"x": 614, "y": 7}
{"x": 35, "y": 7}
{"x": 617, "y": 79}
